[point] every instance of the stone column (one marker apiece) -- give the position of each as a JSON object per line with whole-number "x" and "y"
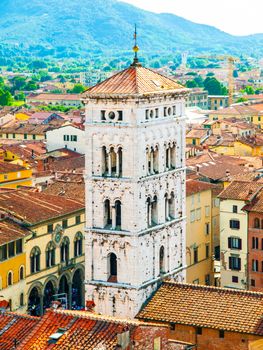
{"x": 113, "y": 211}
{"x": 41, "y": 302}
{"x": 70, "y": 295}
{"x": 117, "y": 164}
{"x": 109, "y": 163}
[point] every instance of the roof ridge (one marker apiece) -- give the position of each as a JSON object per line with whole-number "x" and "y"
{"x": 214, "y": 288}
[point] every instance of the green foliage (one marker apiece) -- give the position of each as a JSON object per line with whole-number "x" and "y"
{"x": 214, "y": 87}
{"x": 20, "y": 96}
{"x": 242, "y": 99}
{"x": 191, "y": 84}
{"x": 211, "y": 74}
{"x": 37, "y": 65}
{"x": 57, "y": 108}
{"x": 5, "y": 98}
{"x": 249, "y": 90}
{"x": 78, "y": 89}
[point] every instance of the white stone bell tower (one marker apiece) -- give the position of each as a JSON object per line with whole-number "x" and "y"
{"x": 135, "y": 188}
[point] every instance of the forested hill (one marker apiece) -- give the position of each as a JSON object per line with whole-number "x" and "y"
{"x": 64, "y": 28}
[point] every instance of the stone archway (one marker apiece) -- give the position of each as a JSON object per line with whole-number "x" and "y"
{"x": 65, "y": 288}
{"x": 78, "y": 298}
{"x": 49, "y": 291}
{"x": 35, "y": 301}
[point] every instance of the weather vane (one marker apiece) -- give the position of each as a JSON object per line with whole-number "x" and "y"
{"x": 135, "y": 47}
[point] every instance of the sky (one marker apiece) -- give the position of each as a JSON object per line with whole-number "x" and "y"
{"x": 237, "y": 17}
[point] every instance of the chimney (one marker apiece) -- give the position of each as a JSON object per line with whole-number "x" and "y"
{"x": 90, "y": 305}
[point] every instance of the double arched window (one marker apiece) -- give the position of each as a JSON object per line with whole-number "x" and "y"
{"x": 112, "y": 161}
{"x": 64, "y": 250}
{"x": 35, "y": 260}
{"x": 152, "y": 158}
{"x": 50, "y": 254}
{"x": 78, "y": 244}
{"x": 113, "y": 215}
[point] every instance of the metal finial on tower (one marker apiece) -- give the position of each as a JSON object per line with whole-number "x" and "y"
{"x": 135, "y": 48}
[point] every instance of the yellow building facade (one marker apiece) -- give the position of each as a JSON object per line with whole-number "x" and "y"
{"x": 199, "y": 243}
{"x": 13, "y": 175}
{"x": 13, "y": 265}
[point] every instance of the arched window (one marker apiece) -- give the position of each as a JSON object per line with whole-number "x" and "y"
{"x": 21, "y": 273}
{"x": 21, "y": 299}
{"x": 166, "y": 207}
{"x": 105, "y": 162}
{"x": 107, "y": 213}
{"x": 64, "y": 250}
{"x": 149, "y": 212}
{"x": 152, "y": 160}
{"x": 256, "y": 223}
{"x": 10, "y": 278}
{"x": 161, "y": 260}
{"x": 172, "y": 206}
{"x": 35, "y": 260}
{"x": 156, "y": 160}
{"x": 154, "y": 211}
{"x": 112, "y": 266}
{"x": 78, "y": 244}
{"x": 50, "y": 254}
{"x": 118, "y": 214}
{"x": 173, "y": 156}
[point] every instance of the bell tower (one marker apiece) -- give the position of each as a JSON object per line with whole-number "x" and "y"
{"x": 135, "y": 188}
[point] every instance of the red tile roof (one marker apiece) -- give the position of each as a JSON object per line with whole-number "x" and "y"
{"x": 55, "y": 97}
{"x": 33, "y": 207}
{"x": 134, "y": 80}
{"x": 209, "y": 307}
{"x": 15, "y": 327}
{"x": 10, "y": 168}
{"x": 241, "y": 190}
{"x": 256, "y": 204}
{"x": 82, "y": 330}
{"x": 11, "y": 231}
{"x": 194, "y": 186}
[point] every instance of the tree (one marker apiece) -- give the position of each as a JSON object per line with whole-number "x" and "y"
{"x": 191, "y": 84}
{"x": 211, "y": 74}
{"x": 249, "y": 90}
{"x": 5, "y": 98}
{"x": 20, "y": 96}
{"x": 214, "y": 87}
{"x": 18, "y": 83}
{"x": 78, "y": 89}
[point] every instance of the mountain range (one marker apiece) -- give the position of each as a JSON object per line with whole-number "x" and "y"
{"x": 65, "y": 28}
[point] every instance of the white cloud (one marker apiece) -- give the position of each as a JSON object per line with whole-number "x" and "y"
{"x": 239, "y": 17}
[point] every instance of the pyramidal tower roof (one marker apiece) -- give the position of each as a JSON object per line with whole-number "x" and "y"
{"x": 135, "y": 80}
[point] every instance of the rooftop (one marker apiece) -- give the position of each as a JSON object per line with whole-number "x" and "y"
{"x": 33, "y": 207}
{"x": 11, "y": 231}
{"x": 135, "y": 80}
{"x": 43, "y": 97}
{"x": 241, "y": 190}
{"x": 10, "y": 168}
{"x": 195, "y": 186}
{"x": 208, "y": 307}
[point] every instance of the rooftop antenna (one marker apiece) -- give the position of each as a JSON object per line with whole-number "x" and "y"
{"x": 136, "y": 49}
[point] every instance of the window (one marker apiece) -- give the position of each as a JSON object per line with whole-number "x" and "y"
{"x": 78, "y": 244}
{"x": 21, "y": 273}
{"x": 207, "y": 250}
{"x": 207, "y": 210}
{"x": 66, "y": 137}
{"x": 199, "y": 330}
{"x": 21, "y": 301}
{"x": 234, "y": 224}
{"x": 25, "y": 136}
{"x": 192, "y": 215}
{"x": 195, "y": 255}
{"x": 207, "y": 280}
{"x": 254, "y": 243}
{"x": 19, "y": 246}
{"x": 50, "y": 228}
{"x": 34, "y": 136}
{"x": 35, "y": 260}
{"x": 3, "y": 252}
{"x": 64, "y": 250}
{"x": 77, "y": 220}
{"x": 14, "y": 136}
{"x": 234, "y": 208}
{"x": 235, "y": 279}
{"x": 157, "y": 344}
{"x": 120, "y": 115}
{"x": 196, "y": 281}
{"x": 198, "y": 214}
{"x": 234, "y": 263}
{"x": 207, "y": 228}
{"x": 74, "y": 138}
{"x": 161, "y": 260}
{"x": 234, "y": 243}
{"x": 11, "y": 249}
{"x": 112, "y": 262}
{"x": 256, "y": 223}
{"x": 221, "y": 333}
{"x": 253, "y": 283}
{"x": 172, "y": 326}
{"x": 10, "y": 278}
{"x": 50, "y": 254}
{"x": 254, "y": 265}
{"x": 64, "y": 224}
{"x": 102, "y": 115}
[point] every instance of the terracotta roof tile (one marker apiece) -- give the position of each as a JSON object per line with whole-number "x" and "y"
{"x": 10, "y": 168}
{"x": 33, "y": 207}
{"x": 11, "y": 231}
{"x": 133, "y": 81}
{"x": 194, "y": 186}
{"x": 209, "y": 307}
{"x": 241, "y": 190}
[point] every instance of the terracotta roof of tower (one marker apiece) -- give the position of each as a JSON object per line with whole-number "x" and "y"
{"x": 133, "y": 81}
{"x": 205, "y": 306}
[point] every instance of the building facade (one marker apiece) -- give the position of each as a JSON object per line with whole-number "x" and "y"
{"x": 135, "y": 188}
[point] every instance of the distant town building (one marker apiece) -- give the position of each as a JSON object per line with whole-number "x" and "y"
{"x": 67, "y": 100}
{"x": 217, "y": 102}
{"x": 197, "y": 98}
{"x": 93, "y": 77}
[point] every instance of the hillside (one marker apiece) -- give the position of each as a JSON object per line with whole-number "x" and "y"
{"x": 75, "y": 27}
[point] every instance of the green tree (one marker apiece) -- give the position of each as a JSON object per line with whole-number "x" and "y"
{"x": 191, "y": 84}
{"x": 18, "y": 83}
{"x": 214, "y": 87}
{"x": 5, "y": 98}
{"x": 78, "y": 88}
{"x": 249, "y": 90}
{"x": 20, "y": 96}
